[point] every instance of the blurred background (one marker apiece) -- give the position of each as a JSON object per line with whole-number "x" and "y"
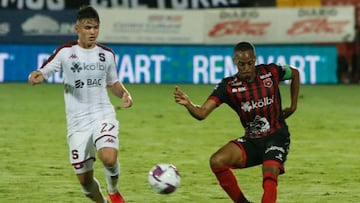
{"x": 189, "y": 41}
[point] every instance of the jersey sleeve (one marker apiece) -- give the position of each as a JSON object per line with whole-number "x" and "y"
{"x": 219, "y": 94}
{"x": 112, "y": 76}
{"x": 287, "y": 72}
{"x": 284, "y": 71}
{"x": 52, "y": 64}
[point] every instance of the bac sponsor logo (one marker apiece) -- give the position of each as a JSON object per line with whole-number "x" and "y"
{"x": 93, "y": 82}
{"x": 267, "y": 75}
{"x": 237, "y": 86}
{"x": 253, "y": 105}
{"x": 238, "y": 89}
{"x": 79, "y": 84}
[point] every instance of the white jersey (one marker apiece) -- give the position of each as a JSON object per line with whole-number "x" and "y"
{"x": 86, "y": 74}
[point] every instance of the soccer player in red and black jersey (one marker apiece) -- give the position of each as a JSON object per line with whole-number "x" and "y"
{"x": 253, "y": 93}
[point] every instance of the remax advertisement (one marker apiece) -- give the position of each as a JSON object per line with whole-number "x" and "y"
{"x": 143, "y": 64}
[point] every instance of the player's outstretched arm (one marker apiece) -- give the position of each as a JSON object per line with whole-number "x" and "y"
{"x": 119, "y": 90}
{"x": 294, "y": 93}
{"x": 36, "y": 77}
{"x": 198, "y": 112}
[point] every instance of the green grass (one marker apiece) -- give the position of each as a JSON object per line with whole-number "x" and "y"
{"x": 323, "y": 165}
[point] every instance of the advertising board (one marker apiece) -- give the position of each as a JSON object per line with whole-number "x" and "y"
{"x": 37, "y": 27}
{"x": 144, "y": 64}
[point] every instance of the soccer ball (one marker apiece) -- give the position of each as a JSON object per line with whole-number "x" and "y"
{"x": 164, "y": 178}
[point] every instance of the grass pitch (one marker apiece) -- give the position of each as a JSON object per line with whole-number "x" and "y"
{"x": 322, "y": 167}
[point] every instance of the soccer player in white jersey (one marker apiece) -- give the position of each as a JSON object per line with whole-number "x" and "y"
{"x": 88, "y": 69}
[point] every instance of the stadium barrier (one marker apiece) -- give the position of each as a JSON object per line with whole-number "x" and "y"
{"x": 193, "y": 64}
{"x": 181, "y": 46}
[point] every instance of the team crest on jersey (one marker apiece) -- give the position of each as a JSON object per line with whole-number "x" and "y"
{"x": 268, "y": 82}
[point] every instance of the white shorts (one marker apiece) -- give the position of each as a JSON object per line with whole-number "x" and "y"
{"x": 84, "y": 145}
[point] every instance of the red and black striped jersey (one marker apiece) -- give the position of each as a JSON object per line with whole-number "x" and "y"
{"x": 257, "y": 103}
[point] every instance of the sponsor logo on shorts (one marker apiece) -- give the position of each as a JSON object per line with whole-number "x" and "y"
{"x": 280, "y": 157}
{"x": 275, "y": 148}
{"x": 110, "y": 140}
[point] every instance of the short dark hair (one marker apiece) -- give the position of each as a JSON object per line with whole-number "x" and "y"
{"x": 244, "y": 46}
{"x": 87, "y": 12}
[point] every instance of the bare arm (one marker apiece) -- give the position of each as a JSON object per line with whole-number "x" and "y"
{"x": 294, "y": 93}
{"x": 36, "y": 77}
{"x": 119, "y": 90}
{"x": 198, "y": 112}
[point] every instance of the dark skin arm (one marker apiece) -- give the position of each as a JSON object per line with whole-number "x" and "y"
{"x": 196, "y": 111}
{"x": 294, "y": 93}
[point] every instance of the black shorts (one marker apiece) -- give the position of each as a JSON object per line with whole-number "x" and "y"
{"x": 272, "y": 149}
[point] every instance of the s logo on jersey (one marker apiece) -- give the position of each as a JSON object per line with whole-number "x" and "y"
{"x": 252, "y": 105}
{"x": 102, "y": 57}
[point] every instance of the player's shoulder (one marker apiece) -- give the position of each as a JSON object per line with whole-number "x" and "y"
{"x": 67, "y": 45}
{"x": 105, "y": 48}
{"x": 267, "y": 66}
{"x": 229, "y": 80}
{"x": 271, "y": 67}
{"x": 63, "y": 47}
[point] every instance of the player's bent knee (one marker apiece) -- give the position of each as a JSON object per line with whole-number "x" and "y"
{"x": 108, "y": 156}
{"x": 109, "y": 161}
{"x": 217, "y": 160}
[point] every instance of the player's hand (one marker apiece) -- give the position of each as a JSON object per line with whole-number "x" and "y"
{"x": 36, "y": 77}
{"x": 127, "y": 100}
{"x": 180, "y": 97}
{"x": 288, "y": 112}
